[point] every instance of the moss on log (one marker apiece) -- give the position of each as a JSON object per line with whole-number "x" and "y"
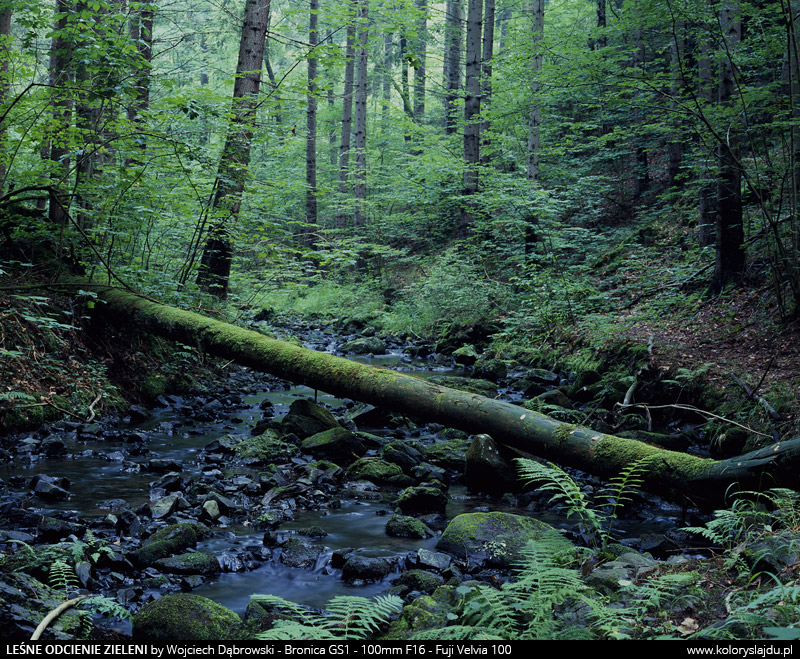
{"x": 703, "y": 480}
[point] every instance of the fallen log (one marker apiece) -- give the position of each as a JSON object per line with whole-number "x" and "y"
{"x": 702, "y": 481}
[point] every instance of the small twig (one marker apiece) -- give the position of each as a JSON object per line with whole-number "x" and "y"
{"x": 691, "y": 408}
{"x": 55, "y": 613}
{"x": 91, "y": 416}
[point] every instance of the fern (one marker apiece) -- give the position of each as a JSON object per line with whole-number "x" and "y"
{"x": 62, "y": 577}
{"x": 16, "y": 397}
{"x": 568, "y": 494}
{"x": 346, "y": 618}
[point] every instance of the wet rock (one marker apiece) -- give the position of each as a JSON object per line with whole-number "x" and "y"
{"x": 306, "y": 418}
{"x": 488, "y": 470}
{"x": 379, "y": 472}
{"x": 299, "y": 553}
{"x": 419, "y": 580}
{"x": 189, "y": 563}
{"x": 168, "y": 505}
{"x": 610, "y": 576}
{"x": 403, "y": 454}
{"x": 555, "y": 397}
{"x": 50, "y": 488}
{"x": 433, "y": 559}
{"x": 51, "y": 529}
{"x": 496, "y": 539}
{"x": 364, "y": 568}
{"x": 167, "y": 541}
{"x": 53, "y": 447}
{"x": 268, "y": 447}
{"x": 466, "y": 355}
{"x": 230, "y": 562}
{"x": 586, "y": 386}
{"x": 211, "y": 510}
{"x": 365, "y": 345}
{"x": 402, "y": 526}
{"x": 449, "y": 454}
{"x": 422, "y": 499}
{"x": 171, "y": 482}
{"x": 428, "y": 472}
{"x": 490, "y": 369}
{"x": 137, "y": 414}
{"x": 163, "y": 465}
{"x": 184, "y": 617}
{"x": 336, "y": 444}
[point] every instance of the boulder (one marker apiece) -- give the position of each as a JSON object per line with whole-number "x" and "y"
{"x": 167, "y": 541}
{"x": 488, "y": 470}
{"x": 378, "y": 472}
{"x": 496, "y": 539}
{"x": 403, "y": 454}
{"x": 189, "y": 563}
{"x": 365, "y": 345}
{"x": 422, "y": 499}
{"x": 185, "y": 617}
{"x": 336, "y": 444}
{"x": 402, "y": 526}
{"x": 364, "y": 568}
{"x": 306, "y": 418}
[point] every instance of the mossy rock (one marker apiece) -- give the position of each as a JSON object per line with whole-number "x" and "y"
{"x": 423, "y": 613}
{"x": 152, "y": 386}
{"x": 189, "y": 563}
{"x": 496, "y": 539}
{"x": 266, "y": 448}
{"x": 470, "y": 385}
{"x": 422, "y": 499}
{"x": 337, "y": 444}
{"x": 306, "y": 418}
{"x": 489, "y": 469}
{"x": 403, "y": 454}
{"x": 403, "y": 526}
{"x": 365, "y": 345}
{"x": 466, "y": 355}
{"x": 167, "y": 541}
{"x": 449, "y": 454}
{"x": 490, "y": 369}
{"x": 378, "y": 472}
{"x": 185, "y": 617}
{"x": 424, "y": 582}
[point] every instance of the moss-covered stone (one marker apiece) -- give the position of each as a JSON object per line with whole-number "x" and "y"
{"x": 167, "y": 541}
{"x": 449, "y": 454}
{"x": 189, "y": 563}
{"x": 266, "y": 448}
{"x": 185, "y": 617}
{"x": 425, "y": 582}
{"x": 337, "y": 444}
{"x": 423, "y": 613}
{"x": 152, "y": 385}
{"x": 379, "y": 472}
{"x": 402, "y": 526}
{"x": 422, "y": 499}
{"x": 496, "y": 539}
{"x": 306, "y": 418}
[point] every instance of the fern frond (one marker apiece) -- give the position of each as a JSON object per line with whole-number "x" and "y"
{"x": 106, "y": 606}
{"x": 62, "y": 577}
{"x": 458, "y": 633}
{"x": 618, "y": 493}
{"x": 565, "y": 491}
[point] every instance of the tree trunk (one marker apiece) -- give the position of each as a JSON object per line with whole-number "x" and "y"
{"x": 360, "y": 135}
{"x": 730, "y": 257}
{"x": 707, "y": 207}
{"x": 535, "y": 115}
{"x": 420, "y": 44}
{"x": 311, "y": 129}
{"x": 5, "y": 84}
{"x": 61, "y": 50}
{"x": 486, "y": 75}
{"x": 343, "y": 188}
{"x": 472, "y": 102}
{"x": 215, "y": 265}
{"x": 141, "y": 31}
{"x": 702, "y": 481}
{"x": 453, "y": 38}
{"x": 677, "y": 57}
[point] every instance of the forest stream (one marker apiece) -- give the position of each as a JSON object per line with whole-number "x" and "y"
{"x": 103, "y": 471}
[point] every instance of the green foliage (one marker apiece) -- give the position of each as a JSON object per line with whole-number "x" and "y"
{"x": 344, "y": 618}
{"x": 597, "y": 516}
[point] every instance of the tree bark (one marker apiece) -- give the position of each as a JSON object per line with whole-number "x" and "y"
{"x": 141, "y": 31}
{"x": 472, "y": 103}
{"x": 535, "y": 115}
{"x": 702, "y": 481}
{"x": 215, "y": 265}
{"x": 486, "y": 75}
{"x": 730, "y": 257}
{"x": 5, "y": 84}
{"x": 453, "y": 38}
{"x": 360, "y": 136}
{"x": 343, "y": 187}
{"x": 311, "y": 129}
{"x": 420, "y": 45}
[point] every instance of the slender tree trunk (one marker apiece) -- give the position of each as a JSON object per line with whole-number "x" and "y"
{"x": 311, "y": 129}
{"x": 61, "y": 50}
{"x": 386, "y": 99}
{"x": 641, "y": 167}
{"x": 730, "y": 256}
{"x": 215, "y": 265}
{"x": 675, "y": 146}
{"x": 601, "y": 40}
{"x": 486, "y": 74}
{"x": 141, "y": 31}
{"x": 343, "y": 188}
{"x": 420, "y": 46}
{"x": 360, "y": 135}
{"x": 5, "y": 85}
{"x": 708, "y": 190}
{"x": 454, "y": 33}
{"x": 472, "y": 102}
{"x": 535, "y": 115}
{"x": 408, "y": 108}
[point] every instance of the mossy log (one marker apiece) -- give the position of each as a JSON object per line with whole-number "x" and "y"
{"x": 678, "y": 475}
